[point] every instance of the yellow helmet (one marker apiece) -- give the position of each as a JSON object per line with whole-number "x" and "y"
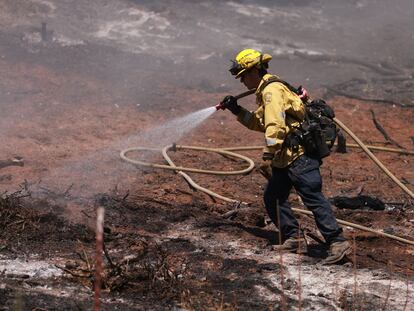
{"x": 246, "y": 59}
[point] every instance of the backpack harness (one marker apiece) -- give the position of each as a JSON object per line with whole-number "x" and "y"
{"x": 317, "y": 131}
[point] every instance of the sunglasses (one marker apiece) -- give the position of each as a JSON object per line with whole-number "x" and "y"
{"x": 235, "y": 68}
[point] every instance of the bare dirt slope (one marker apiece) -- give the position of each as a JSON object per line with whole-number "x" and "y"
{"x": 71, "y": 102}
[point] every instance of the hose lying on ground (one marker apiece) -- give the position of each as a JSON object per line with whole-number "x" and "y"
{"x": 186, "y": 169}
{"x": 188, "y": 178}
{"x": 245, "y": 171}
{"x": 386, "y": 149}
{"x": 374, "y": 158}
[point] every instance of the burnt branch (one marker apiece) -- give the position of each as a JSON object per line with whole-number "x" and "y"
{"x": 383, "y": 132}
{"x": 16, "y": 161}
{"x": 375, "y": 100}
{"x": 149, "y": 270}
{"x": 57, "y": 195}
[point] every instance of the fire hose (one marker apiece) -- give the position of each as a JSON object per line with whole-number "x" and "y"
{"x": 229, "y": 152}
{"x": 374, "y": 158}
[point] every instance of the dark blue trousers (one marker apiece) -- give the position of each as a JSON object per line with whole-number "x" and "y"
{"x": 304, "y": 175}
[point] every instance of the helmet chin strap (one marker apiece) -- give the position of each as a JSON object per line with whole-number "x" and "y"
{"x": 260, "y": 64}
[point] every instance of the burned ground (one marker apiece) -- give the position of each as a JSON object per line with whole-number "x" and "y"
{"x": 70, "y": 106}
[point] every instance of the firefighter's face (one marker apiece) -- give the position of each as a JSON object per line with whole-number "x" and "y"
{"x": 251, "y": 78}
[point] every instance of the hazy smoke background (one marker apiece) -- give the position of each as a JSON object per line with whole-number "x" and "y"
{"x": 191, "y": 42}
{"x": 138, "y": 47}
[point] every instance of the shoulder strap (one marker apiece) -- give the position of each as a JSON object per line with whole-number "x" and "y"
{"x": 273, "y": 79}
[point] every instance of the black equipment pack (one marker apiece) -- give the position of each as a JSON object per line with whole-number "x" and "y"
{"x": 317, "y": 132}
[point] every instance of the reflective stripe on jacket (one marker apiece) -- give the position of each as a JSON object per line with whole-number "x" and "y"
{"x": 277, "y": 115}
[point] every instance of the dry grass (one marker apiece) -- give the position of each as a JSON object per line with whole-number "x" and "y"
{"x": 148, "y": 271}
{"x": 191, "y": 302}
{"x": 13, "y": 214}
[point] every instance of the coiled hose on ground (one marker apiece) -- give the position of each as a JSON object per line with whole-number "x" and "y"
{"x": 229, "y": 152}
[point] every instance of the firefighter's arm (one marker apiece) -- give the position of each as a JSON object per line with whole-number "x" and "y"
{"x": 251, "y": 120}
{"x": 274, "y": 119}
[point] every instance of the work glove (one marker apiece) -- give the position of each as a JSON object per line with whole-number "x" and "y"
{"x": 268, "y": 156}
{"x": 230, "y": 102}
{"x": 265, "y": 169}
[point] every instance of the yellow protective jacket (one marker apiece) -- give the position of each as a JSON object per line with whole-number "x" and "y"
{"x": 277, "y": 116}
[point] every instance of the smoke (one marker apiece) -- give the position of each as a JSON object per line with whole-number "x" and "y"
{"x": 103, "y": 170}
{"x": 69, "y": 92}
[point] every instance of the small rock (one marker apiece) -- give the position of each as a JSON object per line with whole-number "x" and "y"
{"x": 71, "y": 265}
{"x": 389, "y": 230}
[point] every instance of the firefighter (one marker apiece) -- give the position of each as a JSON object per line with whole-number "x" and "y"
{"x": 279, "y": 112}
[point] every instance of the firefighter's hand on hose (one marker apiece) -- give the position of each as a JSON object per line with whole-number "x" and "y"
{"x": 268, "y": 156}
{"x": 265, "y": 169}
{"x": 230, "y": 102}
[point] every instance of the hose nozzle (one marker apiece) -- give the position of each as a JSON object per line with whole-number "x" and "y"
{"x": 220, "y": 106}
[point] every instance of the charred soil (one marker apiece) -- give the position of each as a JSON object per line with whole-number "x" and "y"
{"x": 167, "y": 245}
